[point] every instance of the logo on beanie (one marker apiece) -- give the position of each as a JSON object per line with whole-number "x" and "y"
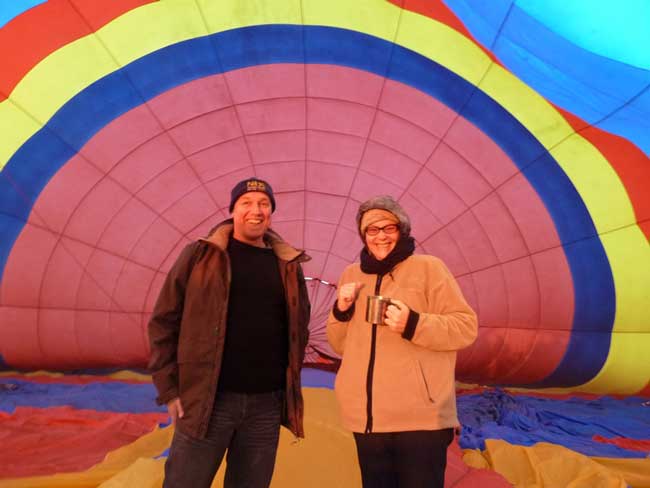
{"x": 255, "y": 185}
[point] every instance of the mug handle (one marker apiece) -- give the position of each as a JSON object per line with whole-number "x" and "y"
{"x": 391, "y": 302}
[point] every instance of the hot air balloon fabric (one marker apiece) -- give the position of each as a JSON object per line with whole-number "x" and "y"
{"x": 515, "y": 133}
{"x": 125, "y": 125}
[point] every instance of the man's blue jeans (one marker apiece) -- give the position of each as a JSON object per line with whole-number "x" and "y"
{"x": 248, "y": 426}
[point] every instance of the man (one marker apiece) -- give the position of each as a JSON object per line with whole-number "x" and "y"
{"x": 228, "y": 336}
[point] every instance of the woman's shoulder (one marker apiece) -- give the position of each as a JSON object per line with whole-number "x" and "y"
{"x": 425, "y": 259}
{"x": 352, "y": 269}
{"x": 427, "y": 263}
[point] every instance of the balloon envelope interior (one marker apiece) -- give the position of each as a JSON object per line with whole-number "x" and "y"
{"x": 518, "y": 146}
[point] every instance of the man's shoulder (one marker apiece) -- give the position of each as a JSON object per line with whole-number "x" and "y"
{"x": 185, "y": 255}
{"x": 193, "y": 250}
{"x": 283, "y": 250}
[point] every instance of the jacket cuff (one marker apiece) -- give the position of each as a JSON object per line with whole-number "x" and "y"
{"x": 342, "y": 316}
{"x": 411, "y": 324}
{"x": 169, "y": 395}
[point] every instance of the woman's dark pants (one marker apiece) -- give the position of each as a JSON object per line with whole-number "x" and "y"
{"x": 404, "y": 459}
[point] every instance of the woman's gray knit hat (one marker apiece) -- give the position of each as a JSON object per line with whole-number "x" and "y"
{"x": 384, "y": 202}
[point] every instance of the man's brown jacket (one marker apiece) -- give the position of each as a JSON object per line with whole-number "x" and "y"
{"x": 187, "y": 329}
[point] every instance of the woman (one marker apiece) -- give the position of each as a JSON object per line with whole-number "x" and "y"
{"x": 396, "y": 387}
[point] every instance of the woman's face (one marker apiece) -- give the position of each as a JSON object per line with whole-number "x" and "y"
{"x": 383, "y": 242}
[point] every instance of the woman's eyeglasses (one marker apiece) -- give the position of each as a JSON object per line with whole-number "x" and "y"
{"x": 373, "y": 230}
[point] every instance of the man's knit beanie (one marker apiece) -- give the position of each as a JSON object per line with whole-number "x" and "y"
{"x": 248, "y": 185}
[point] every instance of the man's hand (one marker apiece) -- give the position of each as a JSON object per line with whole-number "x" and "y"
{"x": 175, "y": 409}
{"x": 348, "y": 293}
{"x": 397, "y": 314}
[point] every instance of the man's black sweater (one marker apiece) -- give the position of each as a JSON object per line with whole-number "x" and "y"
{"x": 255, "y": 356}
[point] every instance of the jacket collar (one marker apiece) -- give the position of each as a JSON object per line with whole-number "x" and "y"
{"x": 222, "y": 232}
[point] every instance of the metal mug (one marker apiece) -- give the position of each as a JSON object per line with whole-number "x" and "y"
{"x": 376, "y": 309}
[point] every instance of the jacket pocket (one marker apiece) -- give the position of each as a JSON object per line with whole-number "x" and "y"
{"x": 424, "y": 384}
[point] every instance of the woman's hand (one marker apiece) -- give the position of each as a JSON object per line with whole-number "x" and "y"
{"x": 348, "y": 293}
{"x": 397, "y": 314}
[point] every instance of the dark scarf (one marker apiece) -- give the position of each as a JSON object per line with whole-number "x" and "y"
{"x": 402, "y": 250}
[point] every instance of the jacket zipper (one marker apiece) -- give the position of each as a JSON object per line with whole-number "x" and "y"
{"x": 371, "y": 366}
{"x": 290, "y": 306}
{"x": 208, "y": 414}
{"x": 297, "y": 392}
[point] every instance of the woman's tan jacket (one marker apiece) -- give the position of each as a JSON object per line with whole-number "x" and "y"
{"x": 402, "y": 382}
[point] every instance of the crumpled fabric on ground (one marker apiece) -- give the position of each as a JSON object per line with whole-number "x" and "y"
{"x": 525, "y": 420}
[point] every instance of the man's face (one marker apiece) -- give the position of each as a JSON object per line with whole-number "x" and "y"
{"x": 252, "y": 217}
